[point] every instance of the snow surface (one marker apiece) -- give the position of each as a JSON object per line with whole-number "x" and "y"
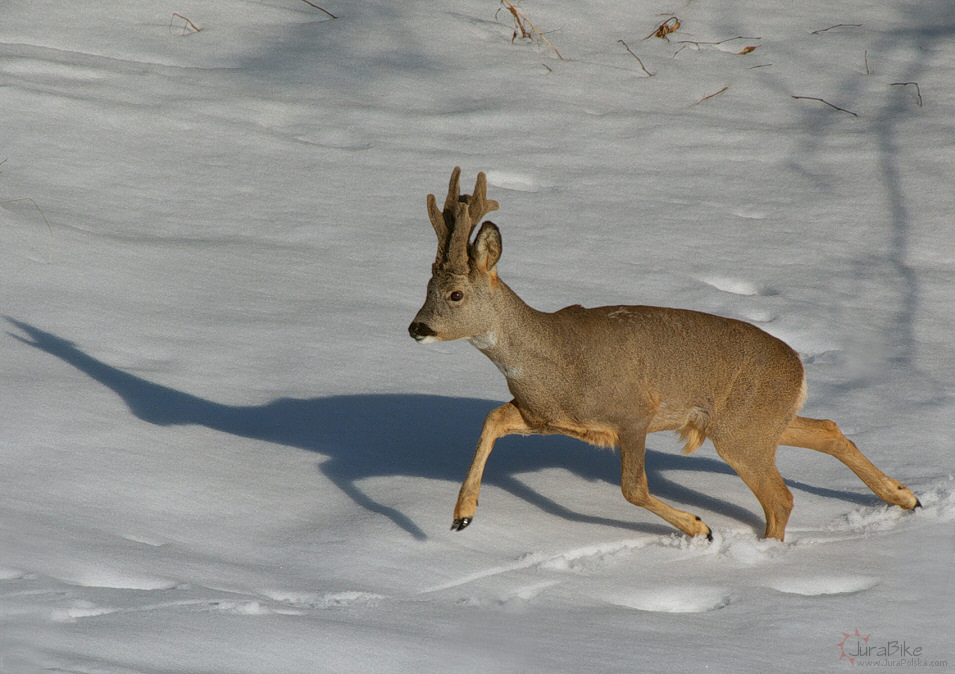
{"x": 221, "y": 452}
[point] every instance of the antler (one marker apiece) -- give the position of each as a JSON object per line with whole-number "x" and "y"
{"x": 454, "y": 224}
{"x": 478, "y": 203}
{"x": 443, "y": 221}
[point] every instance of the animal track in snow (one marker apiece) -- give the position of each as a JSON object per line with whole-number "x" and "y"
{"x": 9, "y": 573}
{"x": 322, "y": 601}
{"x": 827, "y": 357}
{"x": 145, "y": 540}
{"x": 751, "y": 213}
{"x": 511, "y": 598}
{"x": 114, "y": 580}
{"x": 734, "y": 286}
{"x": 243, "y": 608}
{"x": 673, "y": 599}
{"x": 519, "y": 182}
{"x": 569, "y": 560}
{"x": 50, "y": 71}
{"x": 759, "y": 316}
{"x": 79, "y": 609}
{"x": 582, "y": 559}
{"x": 812, "y": 587}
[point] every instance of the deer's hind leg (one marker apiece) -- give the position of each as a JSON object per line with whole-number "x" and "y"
{"x": 824, "y": 436}
{"x": 501, "y": 421}
{"x": 754, "y": 460}
{"x": 634, "y": 486}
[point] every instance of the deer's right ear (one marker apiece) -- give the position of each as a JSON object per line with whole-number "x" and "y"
{"x": 486, "y": 249}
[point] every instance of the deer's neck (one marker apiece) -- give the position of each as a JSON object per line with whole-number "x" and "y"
{"x": 518, "y": 335}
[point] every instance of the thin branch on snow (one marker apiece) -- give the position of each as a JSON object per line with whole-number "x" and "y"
{"x": 838, "y": 25}
{"x": 520, "y": 24}
{"x": 312, "y": 4}
{"x": 706, "y": 98}
{"x": 918, "y": 92}
{"x": 671, "y": 25}
{"x": 813, "y": 98}
{"x": 186, "y": 26}
{"x": 697, "y": 45}
{"x": 649, "y": 74}
{"x": 38, "y": 210}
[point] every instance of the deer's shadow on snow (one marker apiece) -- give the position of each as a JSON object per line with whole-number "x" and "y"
{"x": 363, "y": 436}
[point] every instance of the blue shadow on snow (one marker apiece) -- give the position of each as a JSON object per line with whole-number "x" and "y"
{"x": 363, "y": 436}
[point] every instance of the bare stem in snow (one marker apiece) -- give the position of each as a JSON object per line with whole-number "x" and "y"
{"x": 813, "y": 98}
{"x": 521, "y": 24}
{"x": 312, "y": 4}
{"x": 37, "y": 207}
{"x": 636, "y": 57}
{"x": 665, "y": 28}
{"x": 706, "y": 98}
{"x": 719, "y": 42}
{"x": 918, "y": 92}
{"x": 838, "y": 25}
{"x": 746, "y": 50}
{"x": 186, "y": 25}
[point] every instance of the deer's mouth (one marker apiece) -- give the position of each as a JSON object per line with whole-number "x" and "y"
{"x": 422, "y": 333}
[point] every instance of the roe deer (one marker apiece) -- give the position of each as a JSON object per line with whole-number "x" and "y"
{"x": 610, "y": 375}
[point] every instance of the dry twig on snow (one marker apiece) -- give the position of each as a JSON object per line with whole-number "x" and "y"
{"x": 708, "y": 97}
{"x": 838, "y": 25}
{"x": 38, "y": 210}
{"x": 186, "y": 25}
{"x": 813, "y": 98}
{"x": 521, "y": 25}
{"x": 312, "y": 4}
{"x": 649, "y": 74}
{"x": 918, "y": 92}
{"x": 746, "y": 50}
{"x": 665, "y": 28}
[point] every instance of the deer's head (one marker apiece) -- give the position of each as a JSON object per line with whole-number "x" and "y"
{"x": 463, "y": 276}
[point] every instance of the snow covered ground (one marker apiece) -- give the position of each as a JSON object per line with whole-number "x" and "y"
{"x": 221, "y": 452}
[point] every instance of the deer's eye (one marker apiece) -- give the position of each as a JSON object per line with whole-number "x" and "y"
{"x": 456, "y": 296}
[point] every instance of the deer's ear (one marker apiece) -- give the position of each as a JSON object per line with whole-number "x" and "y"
{"x": 486, "y": 249}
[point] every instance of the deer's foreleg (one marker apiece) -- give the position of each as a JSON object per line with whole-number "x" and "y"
{"x": 501, "y": 421}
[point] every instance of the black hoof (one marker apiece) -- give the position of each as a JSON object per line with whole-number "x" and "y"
{"x": 918, "y": 504}
{"x": 460, "y": 523}
{"x": 709, "y": 534}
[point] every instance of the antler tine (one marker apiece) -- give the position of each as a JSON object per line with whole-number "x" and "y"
{"x": 443, "y": 220}
{"x": 460, "y": 237}
{"x": 439, "y": 224}
{"x": 454, "y": 191}
{"x": 478, "y": 203}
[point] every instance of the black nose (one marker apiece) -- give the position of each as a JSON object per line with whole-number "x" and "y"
{"x": 420, "y": 330}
